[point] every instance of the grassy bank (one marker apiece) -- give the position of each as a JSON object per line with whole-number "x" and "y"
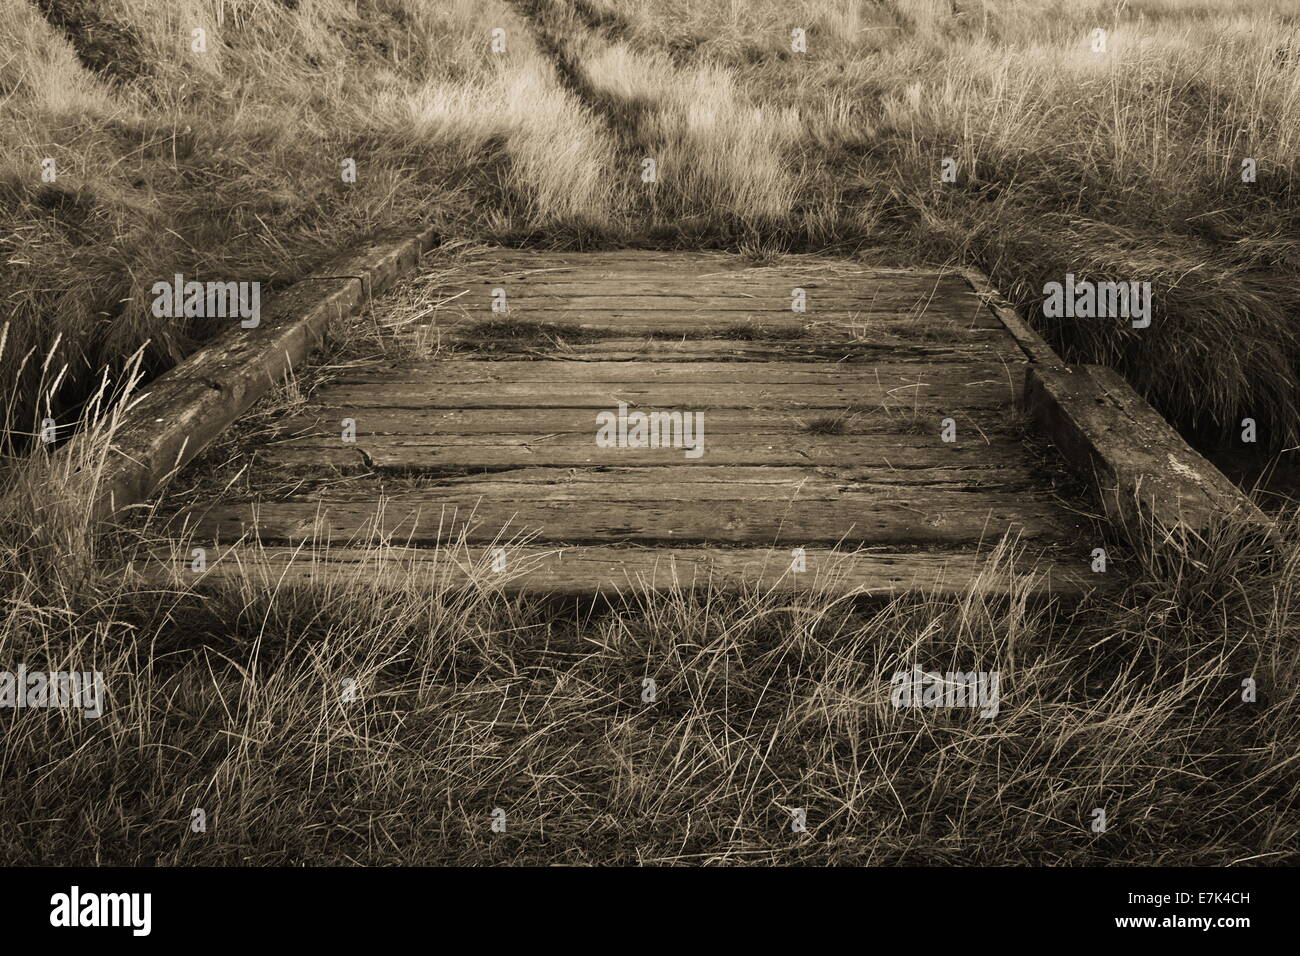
{"x": 226, "y": 164}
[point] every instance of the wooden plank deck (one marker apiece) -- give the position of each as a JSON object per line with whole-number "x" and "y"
{"x": 822, "y": 431}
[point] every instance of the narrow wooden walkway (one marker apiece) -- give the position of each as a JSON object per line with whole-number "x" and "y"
{"x": 823, "y": 430}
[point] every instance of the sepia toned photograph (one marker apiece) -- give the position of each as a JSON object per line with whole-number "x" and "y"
{"x": 648, "y": 433}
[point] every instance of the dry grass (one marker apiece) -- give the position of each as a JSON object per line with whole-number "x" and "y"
{"x": 234, "y": 701}
{"x": 227, "y": 164}
{"x": 231, "y": 698}
{"x": 1120, "y": 165}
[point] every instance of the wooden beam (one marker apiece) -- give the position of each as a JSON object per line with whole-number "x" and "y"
{"x": 585, "y": 570}
{"x": 182, "y": 411}
{"x": 897, "y": 516}
{"x": 1030, "y": 342}
{"x": 1150, "y": 481}
{"x": 450, "y": 453}
{"x": 1148, "y": 477}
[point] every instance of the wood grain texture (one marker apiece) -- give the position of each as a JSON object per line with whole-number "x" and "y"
{"x": 876, "y": 516}
{"x": 922, "y": 392}
{"x": 902, "y": 373}
{"x": 580, "y": 571}
{"x": 624, "y": 316}
{"x": 822, "y": 431}
{"x": 1148, "y": 477}
{"x": 988, "y": 347}
{"x": 440, "y": 454}
{"x": 183, "y": 410}
{"x": 321, "y": 426}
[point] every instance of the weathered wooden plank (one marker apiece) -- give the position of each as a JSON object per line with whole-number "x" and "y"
{"x": 922, "y": 394}
{"x": 780, "y": 290}
{"x": 529, "y": 299}
{"x": 1149, "y": 478}
{"x": 809, "y": 275}
{"x": 792, "y": 481}
{"x": 959, "y": 309}
{"x": 585, "y": 570}
{"x": 183, "y": 410}
{"x": 322, "y": 424}
{"x": 791, "y": 477}
{"x": 934, "y": 323}
{"x": 991, "y": 348}
{"x": 716, "y": 483}
{"x": 443, "y": 453}
{"x": 895, "y": 517}
{"x": 665, "y": 276}
{"x": 727, "y": 285}
{"x": 633, "y": 263}
{"x": 631, "y": 489}
{"x": 677, "y": 262}
{"x": 548, "y": 372}
{"x": 574, "y": 339}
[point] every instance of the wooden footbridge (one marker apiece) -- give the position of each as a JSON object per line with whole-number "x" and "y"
{"x": 588, "y": 422}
